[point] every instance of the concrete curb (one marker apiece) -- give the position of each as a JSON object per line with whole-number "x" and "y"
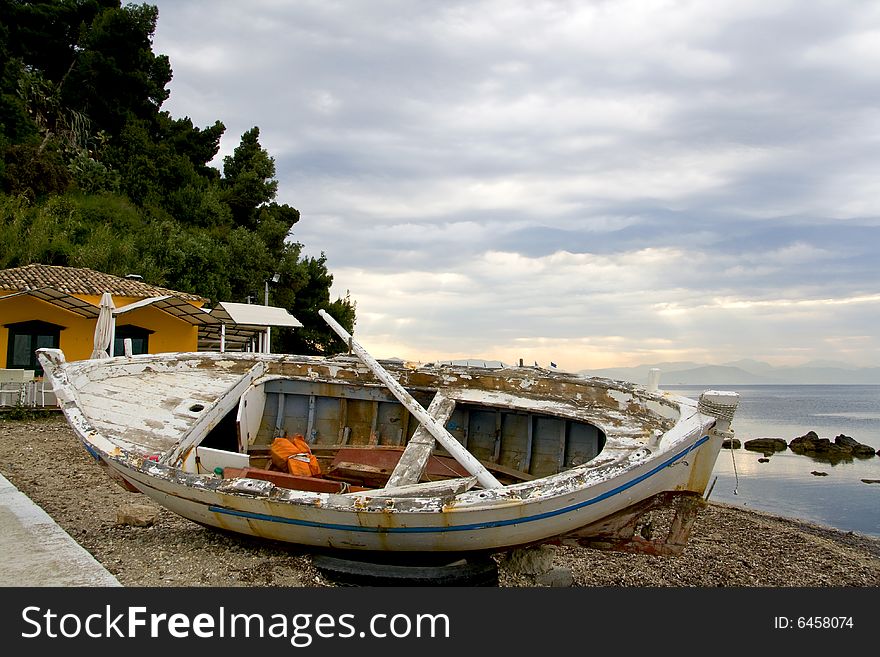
{"x": 37, "y": 552}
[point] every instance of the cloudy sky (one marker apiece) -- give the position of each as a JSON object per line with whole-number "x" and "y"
{"x": 589, "y": 183}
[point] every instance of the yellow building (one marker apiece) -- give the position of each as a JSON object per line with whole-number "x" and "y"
{"x": 50, "y": 306}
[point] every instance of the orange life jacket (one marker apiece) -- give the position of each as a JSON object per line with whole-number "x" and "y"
{"x": 294, "y": 456}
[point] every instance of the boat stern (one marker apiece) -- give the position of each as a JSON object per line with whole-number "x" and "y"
{"x": 720, "y": 405}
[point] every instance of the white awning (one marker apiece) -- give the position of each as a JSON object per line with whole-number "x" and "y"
{"x": 255, "y": 316}
{"x": 60, "y": 299}
{"x": 243, "y": 325}
{"x": 173, "y": 306}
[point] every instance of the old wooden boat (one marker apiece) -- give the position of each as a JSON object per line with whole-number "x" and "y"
{"x": 414, "y": 458}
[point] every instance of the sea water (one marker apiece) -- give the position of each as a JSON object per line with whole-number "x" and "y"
{"x": 787, "y": 484}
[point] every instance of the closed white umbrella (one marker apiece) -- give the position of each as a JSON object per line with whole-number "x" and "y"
{"x": 104, "y": 327}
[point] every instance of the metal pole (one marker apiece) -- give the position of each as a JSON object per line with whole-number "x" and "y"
{"x": 436, "y": 429}
{"x": 266, "y": 344}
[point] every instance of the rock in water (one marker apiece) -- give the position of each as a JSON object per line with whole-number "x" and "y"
{"x": 822, "y": 448}
{"x": 857, "y": 448}
{"x": 766, "y": 445}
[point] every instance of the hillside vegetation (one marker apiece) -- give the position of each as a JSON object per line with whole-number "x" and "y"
{"x": 95, "y": 174}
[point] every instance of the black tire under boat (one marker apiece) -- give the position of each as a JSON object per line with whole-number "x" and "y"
{"x": 408, "y": 569}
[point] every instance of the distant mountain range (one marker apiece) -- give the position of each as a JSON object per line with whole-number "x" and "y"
{"x": 745, "y": 372}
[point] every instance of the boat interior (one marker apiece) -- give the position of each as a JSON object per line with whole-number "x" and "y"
{"x": 363, "y": 437}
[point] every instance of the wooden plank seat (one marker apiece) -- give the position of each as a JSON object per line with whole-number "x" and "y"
{"x": 294, "y": 482}
{"x": 373, "y": 467}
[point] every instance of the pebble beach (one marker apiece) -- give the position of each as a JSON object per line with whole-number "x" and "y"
{"x": 729, "y": 546}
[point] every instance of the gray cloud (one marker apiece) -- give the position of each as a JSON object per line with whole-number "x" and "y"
{"x": 593, "y": 183}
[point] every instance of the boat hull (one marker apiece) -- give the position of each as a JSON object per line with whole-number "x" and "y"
{"x": 419, "y": 525}
{"x": 159, "y": 457}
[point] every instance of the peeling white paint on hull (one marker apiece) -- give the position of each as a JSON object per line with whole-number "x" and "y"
{"x": 492, "y": 527}
{"x": 643, "y": 452}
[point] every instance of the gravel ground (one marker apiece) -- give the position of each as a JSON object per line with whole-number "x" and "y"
{"x": 729, "y": 547}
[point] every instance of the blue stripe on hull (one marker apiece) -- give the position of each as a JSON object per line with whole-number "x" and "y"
{"x": 460, "y": 528}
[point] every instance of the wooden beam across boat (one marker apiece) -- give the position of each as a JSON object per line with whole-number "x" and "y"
{"x": 443, "y": 488}
{"x": 459, "y": 453}
{"x": 209, "y": 419}
{"x": 412, "y": 463}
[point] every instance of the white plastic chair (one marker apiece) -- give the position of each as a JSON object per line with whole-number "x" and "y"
{"x": 43, "y": 388}
{"x": 14, "y": 386}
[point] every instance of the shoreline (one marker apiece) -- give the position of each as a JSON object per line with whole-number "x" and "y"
{"x": 729, "y": 546}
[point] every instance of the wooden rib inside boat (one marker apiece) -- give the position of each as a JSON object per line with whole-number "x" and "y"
{"x": 359, "y": 434}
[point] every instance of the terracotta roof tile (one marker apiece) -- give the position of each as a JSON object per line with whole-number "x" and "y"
{"x": 78, "y": 280}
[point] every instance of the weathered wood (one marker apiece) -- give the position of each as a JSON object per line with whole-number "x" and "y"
{"x": 422, "y": 489}
{"x": 404, "y": 429}
{"x": 212, "y": 416}
{"x": 466, "y": 427}
{"x": 286, "y": 480}
{"x": 509, "y": 472}
{"x": 473, "y": 466}
{"x": 562, "y": 438}
{"x": 372, "y": 466}
{"x": 249, "y": 416}
{"x": 629, "y": 469}
{"x": 527, "y": 458}
{"x": 343, "y": 420}
{"x": 329, "y": 452}
{"x": 618, "y": 530}
{"x": 374, "y": 423}
{"x": 496, "y": 448}
{"x": 311, "y": 434}
{"x": 411, "y": 467}
{"x": 279, "y": 416}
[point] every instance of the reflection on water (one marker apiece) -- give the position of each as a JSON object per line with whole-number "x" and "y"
{"x": 784, "y": 484}
{"x": 791, "y": 411}
{"x": 851, "y": 416}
